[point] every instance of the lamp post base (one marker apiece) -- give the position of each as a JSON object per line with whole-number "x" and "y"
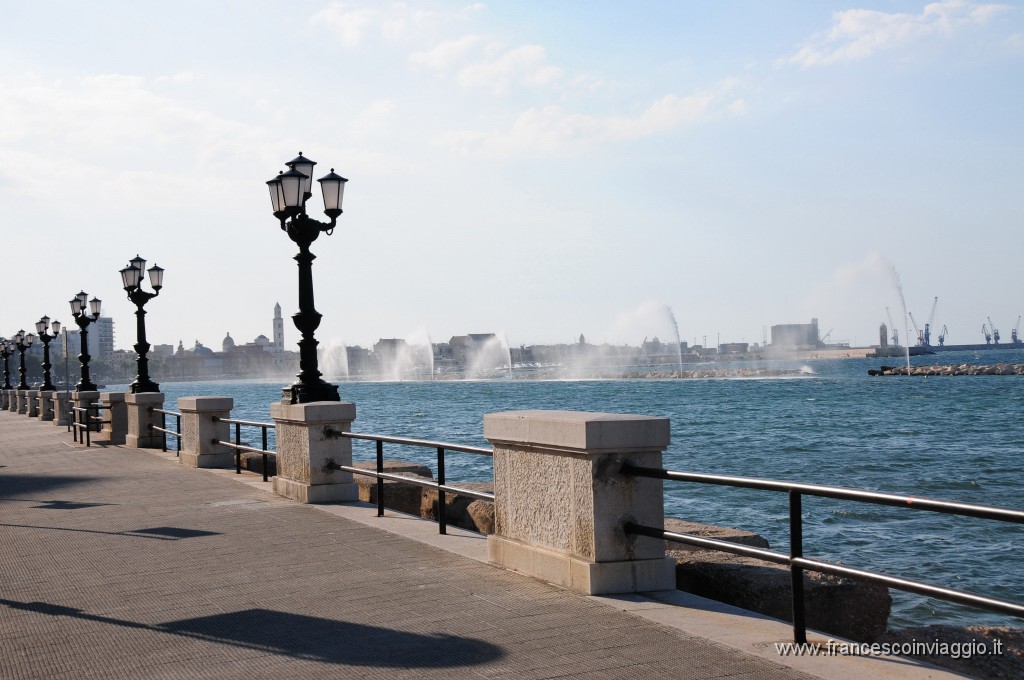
{"x": 304, "y": 393}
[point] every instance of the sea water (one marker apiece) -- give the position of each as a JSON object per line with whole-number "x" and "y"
{"x": 951, "y": 438}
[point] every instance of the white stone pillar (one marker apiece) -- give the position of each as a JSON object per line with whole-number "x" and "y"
{"x": 141, "y": 420}
{"x": 307, "y": 451}
{"x": 32, "y": 403}
{"x": 12, "y": 400}
{"x": 61, "y": 412}
{"x": 560, "y": 502}
{"x": 23, "y": 402}
{"x": 116, "y": 412}
{"x": 3, "y": 400}
{"x": 45, "y": 402}
{"x": 199, "y": 431}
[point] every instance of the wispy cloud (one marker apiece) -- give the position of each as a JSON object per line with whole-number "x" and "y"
{"x": 447, "y": 54}
{"x": 350, "y": 25}
{"x": 525, "y": 65}
{"x": 860, "y": 33}
{"x": 554, "y": 129}
{"x": 478, "y": 63}
{"x": 398, "y": 21}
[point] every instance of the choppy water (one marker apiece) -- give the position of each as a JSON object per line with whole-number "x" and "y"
{"x": 953, "y": 438}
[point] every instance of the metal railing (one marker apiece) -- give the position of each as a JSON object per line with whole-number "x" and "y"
{"x": 82, "y": 423}
{"x": 798, "y": 563}
{"x": 176, "y": 432}
{"x": 239, "y": 447}
{"x": 440, "y": 483}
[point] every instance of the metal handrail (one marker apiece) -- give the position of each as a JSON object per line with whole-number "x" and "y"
{"x": 419, "y": 442}
{"x": 796, "y": 561}
{"x": 442, "y": 487}
{"x": 163, "y": 428}
{"x": 238, "y": 446}
{"x": 76, "y": 422}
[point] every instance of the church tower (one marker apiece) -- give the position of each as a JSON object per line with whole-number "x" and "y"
{"x": 278, "y": 328}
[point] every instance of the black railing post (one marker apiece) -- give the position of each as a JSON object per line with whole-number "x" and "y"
{"x": 442, "y": 514}
{"x": 163, "y": 435}
{"x": 264, "y": 453}
{"x": 380, "y": 480}
{"x": 796, "y": 550}
{"x": 177, "y": 438}
{"x": 238, "y": 452}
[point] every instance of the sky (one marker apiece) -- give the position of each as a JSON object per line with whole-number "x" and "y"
{"x": 538, "y": 170}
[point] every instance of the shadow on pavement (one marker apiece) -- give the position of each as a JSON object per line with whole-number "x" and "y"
{"x": 307, "y": 637}
{"x": 13, "y": 486}
{"x": 159, "y": 533}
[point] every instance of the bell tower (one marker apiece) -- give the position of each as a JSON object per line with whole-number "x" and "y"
{"x": 278, "y": 328}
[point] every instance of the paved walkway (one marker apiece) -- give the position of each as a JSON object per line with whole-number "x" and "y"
{"x": 119, "y": 563}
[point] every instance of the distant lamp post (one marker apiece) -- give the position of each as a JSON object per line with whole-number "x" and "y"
{"x": 83, "y": 320}
{"x": 42, "y": 326}
{"x": 23, "y": 342}
{"x": 289, "y": 192}
{"x": 131, "y": 278}
{"x": 6, "y": 350}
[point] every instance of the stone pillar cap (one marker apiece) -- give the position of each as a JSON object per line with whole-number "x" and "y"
{"x": 205, "y": 403}
{"x": 577, "y": 430}
{"x": 314, "y": 412}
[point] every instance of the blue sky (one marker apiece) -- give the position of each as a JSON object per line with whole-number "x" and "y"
{"x": 539, "y": 170}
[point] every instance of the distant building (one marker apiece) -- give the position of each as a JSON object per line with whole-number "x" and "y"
{"x": 101, "y": 338}
{"x": 734, "y": 348}
{"x": 796, "y": 335}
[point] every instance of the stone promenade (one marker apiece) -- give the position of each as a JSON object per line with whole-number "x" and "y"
{"x": 120, "y": 563}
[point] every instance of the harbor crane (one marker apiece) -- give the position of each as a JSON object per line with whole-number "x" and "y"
{"x": 1014, "y": 338}
{"x": 942, "y": 336}
{"x": 931, "y": 322}
{"x": 920, "y": 335}
{"x": 895, "y": 333}
{"x": 988, "y": 336}
{"x": 995, "y": 331}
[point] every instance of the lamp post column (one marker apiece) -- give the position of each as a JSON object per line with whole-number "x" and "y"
{"x": 85, "y": 383}
{"x": 6, "y": 349}
{"x": 311, "y": 386}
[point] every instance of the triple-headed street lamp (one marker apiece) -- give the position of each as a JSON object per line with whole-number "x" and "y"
{"x": 6, "y": 350}
{"x": 42, "y": 326}
{"x": 131, "y": 278}
{"x": 83, "y": 320}
{"x": 288, "y": 194}
{"x": 23, "y": 342}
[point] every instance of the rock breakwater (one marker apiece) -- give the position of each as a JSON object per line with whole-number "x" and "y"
{"x": 963, "y": 369}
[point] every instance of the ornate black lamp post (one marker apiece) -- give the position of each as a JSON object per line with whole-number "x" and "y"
{"x": 23, "y": 342}
{"x": 288, "y": 194}
{"x": 131, "y": 278}
{"x": 6, "y": 350}
{"x": 42, "y": 326}
{"x": 83, "y": 320}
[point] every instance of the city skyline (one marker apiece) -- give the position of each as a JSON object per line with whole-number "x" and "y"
{"x": 535, "y": 170}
